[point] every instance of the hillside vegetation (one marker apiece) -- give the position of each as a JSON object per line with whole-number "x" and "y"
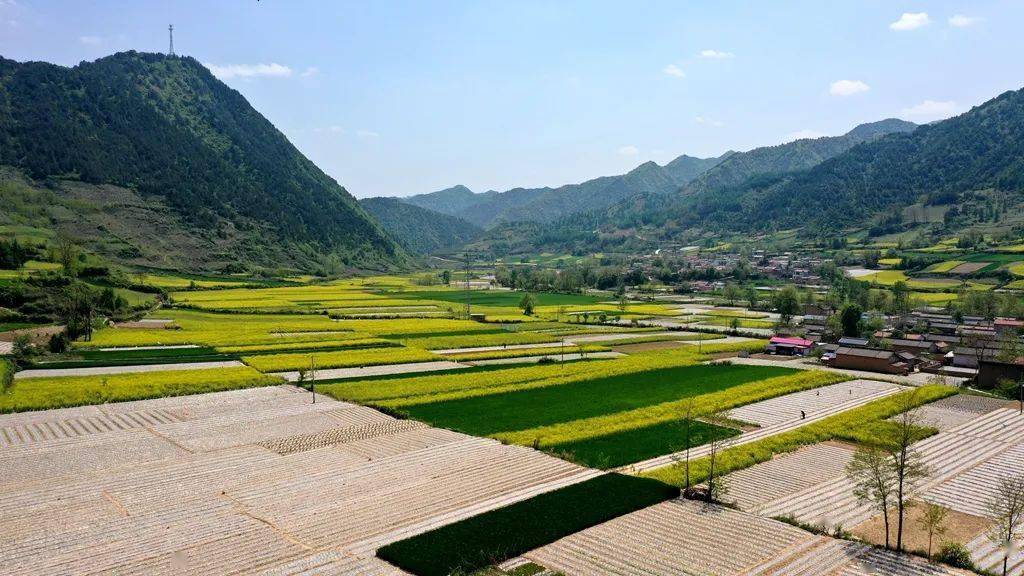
{"x": 168, "y": 134}
{"x": 420, "y": 230}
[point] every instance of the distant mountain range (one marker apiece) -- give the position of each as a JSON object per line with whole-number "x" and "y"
{"x": 491, "y": 208}
{"x": 159, "y": 142}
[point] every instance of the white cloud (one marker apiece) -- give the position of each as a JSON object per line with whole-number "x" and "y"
{"x": 847, "y": 87}
{"x": 367, "y": 134}
{"x": 311, "y": 71}
{"x": 629, "y": 151}
{"x": 802, "y": 134}
{"x": 715, "y": 54}
{"x": 911, "y": 21}
{"x": 931, "y": 110}
{"x": 708, "y": 121}
{"x": 673, "y": 70}
{"x": 90, "y": 40}
{"x": 331, "y": 129}
{"x": 229, "y": 71}
{"x": 963, "y": 21}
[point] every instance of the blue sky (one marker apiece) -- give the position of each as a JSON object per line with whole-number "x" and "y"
{"x": 398, "y": 98}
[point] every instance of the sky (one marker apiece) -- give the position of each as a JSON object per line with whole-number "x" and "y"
{"x": 400, "y": 98}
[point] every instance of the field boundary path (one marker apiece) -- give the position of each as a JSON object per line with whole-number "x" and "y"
{"x": 874, "y": 392}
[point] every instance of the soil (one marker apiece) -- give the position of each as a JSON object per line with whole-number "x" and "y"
{"x": 960, "y": 527}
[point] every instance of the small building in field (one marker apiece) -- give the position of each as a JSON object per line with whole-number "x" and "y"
{"x": 789, "y": 346}
{"x": 852, "y": 342}
{"x": 868, "y": 359}
{"x": 912, "y": 346}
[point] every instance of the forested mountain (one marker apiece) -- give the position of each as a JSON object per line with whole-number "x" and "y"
{"x": 935, "y": 164}
{"x": 792, "y": 156}
{"x": 420, "y": 230}
{"x": 165, "y": 129}
{"x": 550, "y": 204}
{"x": 861, "y": 180}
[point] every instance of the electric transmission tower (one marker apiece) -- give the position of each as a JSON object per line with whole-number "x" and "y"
{"x": 170, "y": 30}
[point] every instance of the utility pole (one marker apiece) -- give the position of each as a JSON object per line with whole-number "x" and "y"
{"x": 170, "y": 30}
{"x": 469, "y": 304}
{"x": 312, "y": 376}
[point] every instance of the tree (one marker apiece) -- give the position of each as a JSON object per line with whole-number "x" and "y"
{"x": 787, "y": 303}
{"x": 527, "y": 303}
{"x": 1006, "y": 510}
{"x": 717, "y": 485}
{"x": 731, "y": 293}
{"x": 753, "y": 299}
{"x": 873, "y": 480}
{"x": 901, "y": 299}
{"x": 687, "y": 440}
{"x": 850, "y": 320}
{"x": 907, "y": 465}
{"x": 933, "y": 522}
{"x": 446, "y": 277}
{"x": 67, "y": 253}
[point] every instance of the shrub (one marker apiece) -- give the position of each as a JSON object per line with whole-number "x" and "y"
{"x": 6, "y": 375}
{"x": 956, "y": 555}
{"x": 498, "y": 535}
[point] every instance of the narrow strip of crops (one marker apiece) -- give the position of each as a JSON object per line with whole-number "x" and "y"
{"x": 47, "y": 393}
{"x": 553, "y": 351}
{"x": 866, "y": 424}
{"x": 338, "y": 359}
{"x": 495, "y": 536}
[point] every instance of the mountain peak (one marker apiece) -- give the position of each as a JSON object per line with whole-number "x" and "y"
{"x": 870, "y": 130}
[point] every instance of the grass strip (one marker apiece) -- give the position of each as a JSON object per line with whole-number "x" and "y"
{"x": 495, "y": 536}
{"x": 865, "y": 424}
{"x": 64, "y": 392}
{"x": 553, "y": 351}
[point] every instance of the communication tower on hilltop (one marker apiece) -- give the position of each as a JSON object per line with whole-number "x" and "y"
{"x": 170, "y": 30}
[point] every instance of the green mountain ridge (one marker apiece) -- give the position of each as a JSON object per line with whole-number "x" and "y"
{"x": 419, "y": 230}
{"x": 164, "y": 128}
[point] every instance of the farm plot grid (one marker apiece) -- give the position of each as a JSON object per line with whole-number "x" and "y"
{"x": 681, "y": 538}
{"x": 241, "y": 482}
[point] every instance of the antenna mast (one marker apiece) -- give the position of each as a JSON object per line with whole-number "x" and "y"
{"x": 170, "y": 30}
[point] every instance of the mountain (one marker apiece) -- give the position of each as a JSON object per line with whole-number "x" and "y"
{"x": 420, "y": 230}
{"x": 943, "y": 163}
{"x": 792, "y": 156}
{"x": 148, "y": 129}
{"x": 547, "y": 204}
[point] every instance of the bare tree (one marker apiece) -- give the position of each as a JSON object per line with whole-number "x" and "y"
{"x": 1006, "y": 510}
{"x": 933, "y": 522}
{"x": 717, "y": 485}
{"x": 874, "y": 480}
{"x": 687, "y": 430}
{"x": 907, "y": 465}
{"x": 68, "y": 253}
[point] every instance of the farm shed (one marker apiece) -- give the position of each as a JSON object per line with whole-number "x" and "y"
{"x": 869, "y": 359}
{"x": 789, "y": 346}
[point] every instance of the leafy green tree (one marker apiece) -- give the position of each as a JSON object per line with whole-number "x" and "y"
{"x": 850, "y": 320}
{"x": 527, "y": 303}
{"x": 446, "y": 277}
{"x": 787, "y": 303}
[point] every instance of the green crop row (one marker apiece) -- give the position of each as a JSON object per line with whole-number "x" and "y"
{"x": 338, "y": 359}
{"x": 399, "y": 392}
{"x": 319, "y": 345}
{"x": 63, "y": 392}
{"x": 495, "y": 536}
{"x": 671, "y": 411}
{"x": 859, "y": 425}
{"x": 475, "y": 340}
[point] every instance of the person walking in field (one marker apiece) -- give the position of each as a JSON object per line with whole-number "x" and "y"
{"x": 803, "y": 415}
